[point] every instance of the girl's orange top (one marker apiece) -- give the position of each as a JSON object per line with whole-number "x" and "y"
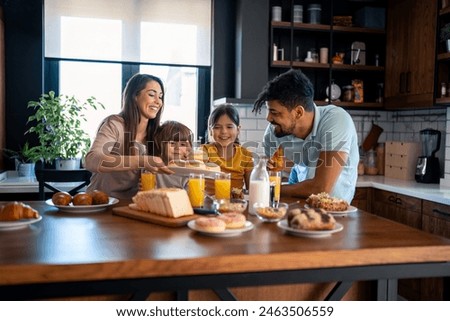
{"x": 237, "y": 166}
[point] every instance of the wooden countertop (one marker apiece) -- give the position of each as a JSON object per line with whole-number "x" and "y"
{"x": 101, "y": 246}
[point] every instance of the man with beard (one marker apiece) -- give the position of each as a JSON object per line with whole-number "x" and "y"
{"x": 322, "y": 139}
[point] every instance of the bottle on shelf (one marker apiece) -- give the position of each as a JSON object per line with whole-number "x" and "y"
{"x": 309, "y": 57}
{"x": 259, "y": 189}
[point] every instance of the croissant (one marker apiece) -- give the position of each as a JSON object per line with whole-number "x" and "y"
{"x": 14, "y": 211}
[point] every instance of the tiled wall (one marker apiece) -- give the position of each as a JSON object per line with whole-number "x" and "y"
{"x": 397, "y": 125}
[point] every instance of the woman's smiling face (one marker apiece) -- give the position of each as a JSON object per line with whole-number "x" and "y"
{"x": 150, "y": 100}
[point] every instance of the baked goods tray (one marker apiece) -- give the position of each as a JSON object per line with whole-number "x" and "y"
{"x": 125, "y": 211}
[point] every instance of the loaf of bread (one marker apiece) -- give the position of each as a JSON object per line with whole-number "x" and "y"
{"x": 14, "y": 211}
{"x": 327, "y": 202}
{"x": 315, "y": 219}
{"x": 169, "y": 202}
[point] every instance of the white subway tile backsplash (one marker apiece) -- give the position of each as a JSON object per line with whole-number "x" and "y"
{"x": 397, "y": 125}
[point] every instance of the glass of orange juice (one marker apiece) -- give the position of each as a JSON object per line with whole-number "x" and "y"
{"x": 275, "y": 181}
{"x": 222, "y": 185}
{"x": 148, "y": 180}
{"x": 196, "y": 189}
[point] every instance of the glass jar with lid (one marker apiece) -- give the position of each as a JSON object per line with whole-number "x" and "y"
{"x": 349, "y": 93}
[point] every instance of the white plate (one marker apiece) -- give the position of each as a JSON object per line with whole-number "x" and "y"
{"x": 350, "y": 209}
{"x": 183, "y": 171}
{"x": 227, "y": 233}
{"x": 15, "y": 225}
{"x": 83, "y": 208}
{"x": 307, "y": 233}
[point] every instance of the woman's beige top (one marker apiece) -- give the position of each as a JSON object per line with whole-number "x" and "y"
{"x": 109, "y": 140}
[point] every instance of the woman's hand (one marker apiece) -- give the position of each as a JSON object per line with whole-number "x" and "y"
{"x": 155, "y": 165}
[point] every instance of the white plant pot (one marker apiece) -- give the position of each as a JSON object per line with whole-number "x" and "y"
{"x": 25, "y": 169}
{"x": 67, "y": 164}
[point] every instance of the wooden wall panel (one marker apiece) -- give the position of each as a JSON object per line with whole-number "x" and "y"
{"x": 2, "y": 87}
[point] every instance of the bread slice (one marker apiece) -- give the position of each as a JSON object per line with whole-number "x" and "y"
{"x": 169, "y": 202}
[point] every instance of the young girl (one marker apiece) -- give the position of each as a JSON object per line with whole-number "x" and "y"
{"x": 173, "y": 141}
{"x": 225, "y": 150}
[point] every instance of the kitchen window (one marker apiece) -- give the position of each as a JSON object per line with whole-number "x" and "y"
{"x": 93, "y": 47}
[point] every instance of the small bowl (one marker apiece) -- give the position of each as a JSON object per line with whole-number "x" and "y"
{"x": 273, "y": 213}
{"x": 231, "y": 205}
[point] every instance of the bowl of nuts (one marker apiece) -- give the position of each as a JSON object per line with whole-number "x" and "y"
{"x": 274, "y": 212}
{"x": 230, "y": 205}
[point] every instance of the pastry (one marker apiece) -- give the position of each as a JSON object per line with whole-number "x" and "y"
{"x": 271, "y": 212}
{"x": 14, "y": 211}
{"x": 194, "y": 163}
{"x": 82, "y": 198}
{"x": 170, "y": 202}
{"x": 210, "y": 224}
{"x": 61, "y": 198}
{"x": 191, "y": 163}
{"x": 310, "y": 219}
{"x": 99, "y": 197}
{"x": 327, "y": 202}
{"x": 237, "y": 193}
{"x": 233, "y": 220}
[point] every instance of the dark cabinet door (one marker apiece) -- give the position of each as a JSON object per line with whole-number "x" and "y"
{"x": 410, "y": 53}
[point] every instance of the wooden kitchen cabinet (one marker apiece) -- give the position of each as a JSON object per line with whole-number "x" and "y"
{"x": 442, "y": 61}
{"x": 362, "y": 199}
{"x": 410, "y": 53}
{"x": 397, "y": 207}
{"x": 436, "y": 220}
{"x": 406, "y": 210}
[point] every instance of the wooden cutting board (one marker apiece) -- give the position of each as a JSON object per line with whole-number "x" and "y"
{"x": 153, "y": 218}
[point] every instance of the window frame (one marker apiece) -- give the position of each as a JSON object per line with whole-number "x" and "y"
{"x": 51, "y": 82}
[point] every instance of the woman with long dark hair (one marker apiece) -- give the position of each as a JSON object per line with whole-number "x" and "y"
{"x": 124, "y": 142}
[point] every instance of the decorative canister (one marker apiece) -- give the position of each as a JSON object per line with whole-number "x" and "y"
{"x": 298, "y": 13}
{"x": 314, "y": 13}
{"x": 349, "y": 93}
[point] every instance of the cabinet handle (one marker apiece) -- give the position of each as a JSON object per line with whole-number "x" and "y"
{"x": 436, "y": 211}
{"x": 408, "y": 82}
{"x": 392, "y": 199}
{"x": 398, "y": 201}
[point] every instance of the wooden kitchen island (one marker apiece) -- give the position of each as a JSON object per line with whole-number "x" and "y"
{"x": 99, "y": 253}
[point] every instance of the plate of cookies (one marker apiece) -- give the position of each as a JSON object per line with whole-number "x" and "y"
{"x": 95, "y": 201}
{"x": 225, "y": 225}
{"x": 309, "y": 222}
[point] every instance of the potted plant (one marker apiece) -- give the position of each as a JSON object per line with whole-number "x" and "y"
{"x": 57, "y": 124}
{"x": 24, "y": 159}
{"x": 445, "y": 36}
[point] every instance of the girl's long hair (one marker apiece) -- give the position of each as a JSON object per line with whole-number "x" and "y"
{"x": 131, "y": 115}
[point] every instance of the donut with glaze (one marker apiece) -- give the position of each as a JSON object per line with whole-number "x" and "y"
{"x": 210, "y": 224}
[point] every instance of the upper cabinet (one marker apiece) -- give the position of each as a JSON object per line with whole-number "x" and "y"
{"x": 338, "y": 44}
{"x": 410, "y": 53}
{"x": 443, "y": 55}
